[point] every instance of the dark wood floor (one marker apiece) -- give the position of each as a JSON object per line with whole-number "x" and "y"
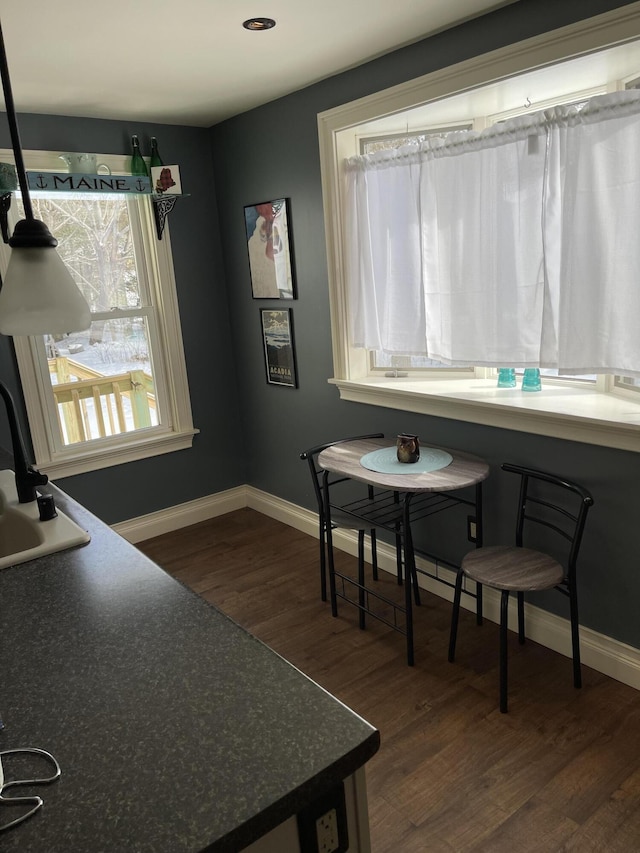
{"x": 560, "y": 772}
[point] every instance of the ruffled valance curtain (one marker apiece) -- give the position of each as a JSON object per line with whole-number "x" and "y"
{"x": 517, "y": 245}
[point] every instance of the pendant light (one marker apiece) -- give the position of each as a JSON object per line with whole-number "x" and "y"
{"x": 38, "y": 295}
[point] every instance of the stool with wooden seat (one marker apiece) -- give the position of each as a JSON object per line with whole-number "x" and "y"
{"x": 559, "y": 506}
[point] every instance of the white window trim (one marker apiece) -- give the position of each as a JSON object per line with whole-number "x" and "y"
{"x": 104, "y": 453}
{"x": 562, "y": 410}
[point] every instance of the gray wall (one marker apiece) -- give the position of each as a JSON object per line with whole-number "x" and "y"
{"x": 272, "y": 152}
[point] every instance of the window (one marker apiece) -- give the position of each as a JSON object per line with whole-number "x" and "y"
{"x": 515, "y": 246}
{"x": 117, "y": 391}
{"x": 486, "y": 89}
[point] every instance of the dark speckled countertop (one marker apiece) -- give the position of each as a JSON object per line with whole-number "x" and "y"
{"x": 176, "y": 730}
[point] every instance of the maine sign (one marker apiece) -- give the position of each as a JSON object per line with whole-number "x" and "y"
{"x": 68, "y": 182}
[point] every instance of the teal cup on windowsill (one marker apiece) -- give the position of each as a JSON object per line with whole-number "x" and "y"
{"x": 531, "y": 379}
{"x": 506, "y": 377}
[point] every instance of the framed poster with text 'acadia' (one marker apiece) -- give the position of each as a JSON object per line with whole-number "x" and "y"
{"x": 279, "y": 352}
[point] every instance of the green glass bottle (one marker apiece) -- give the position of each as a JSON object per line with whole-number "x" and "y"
{"x": 138, "y": 164}
{"x": 156, "y": 159}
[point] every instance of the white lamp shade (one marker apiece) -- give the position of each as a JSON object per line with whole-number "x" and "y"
{"x": 39, "y": 296}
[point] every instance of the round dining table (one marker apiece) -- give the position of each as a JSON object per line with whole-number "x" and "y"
{"x": 414, "y": 489}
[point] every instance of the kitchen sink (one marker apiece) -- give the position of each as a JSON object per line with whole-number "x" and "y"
{"x": 23, "y": 536}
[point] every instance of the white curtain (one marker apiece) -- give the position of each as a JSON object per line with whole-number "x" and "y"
{"x": 515, "y": 246}
{"x": 383, "y": 240}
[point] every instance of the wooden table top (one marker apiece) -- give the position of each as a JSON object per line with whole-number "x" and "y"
{"x": 465, "y": 469}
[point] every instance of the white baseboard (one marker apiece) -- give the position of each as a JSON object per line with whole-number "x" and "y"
{"x": 175, "y": 517}
{"x": 604, "y": 654}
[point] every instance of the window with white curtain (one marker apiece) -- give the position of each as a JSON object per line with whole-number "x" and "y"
{"x": 512, "y": 246}
{"x": 414, "y": 272}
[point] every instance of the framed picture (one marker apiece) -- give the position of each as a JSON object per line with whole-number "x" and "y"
{"x": 268, "y": 232}
{"x": 279, "y": 352}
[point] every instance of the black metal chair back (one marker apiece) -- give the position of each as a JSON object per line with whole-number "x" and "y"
{"x": 317, "y": 474}
{"x": 565, "y": 519}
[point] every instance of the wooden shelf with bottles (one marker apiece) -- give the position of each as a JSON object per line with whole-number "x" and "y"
{"x": 131, "y": 185}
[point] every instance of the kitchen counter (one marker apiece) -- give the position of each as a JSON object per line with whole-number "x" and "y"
{"x": 175, "y": 729}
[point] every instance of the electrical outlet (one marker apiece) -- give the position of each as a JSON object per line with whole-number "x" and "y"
{"x": 327, "y": 832}
{"x": 471, "y": 528}
{"x": 322, "y": 825}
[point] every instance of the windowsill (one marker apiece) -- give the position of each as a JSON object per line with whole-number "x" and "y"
{"x": 568, "y": 412}
{"x": 92, "y": 459}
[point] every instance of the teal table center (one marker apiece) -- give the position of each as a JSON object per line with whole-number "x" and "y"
{"x": 385, "y": 461}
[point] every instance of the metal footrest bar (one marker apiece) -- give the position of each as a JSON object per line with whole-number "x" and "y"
{"x": 366, "y": 608}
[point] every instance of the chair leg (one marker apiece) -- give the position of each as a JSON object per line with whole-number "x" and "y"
{"x": 323, "y": 561}
{"x": 521, "y": 637}
{"x": 332, "y": 573}
{"x": 374, "y": 555}
{"x": 575, "y": 635}
{"x": 479, "y": 537}
{"x": 398, "y": 526}
{"x": 504, "y": 615}
{"x": 409, "y": 577}
{"x": 361, "y": 593}
{"x": 414, "y": 579}
{"x": 408, "y": 607}
{"x": 328, "y": 530}
{"x": 455, "y": 613}
{"x": 412, "y": 574}
{"x": 479, "y": 619}
{"x": 399, "y": 558}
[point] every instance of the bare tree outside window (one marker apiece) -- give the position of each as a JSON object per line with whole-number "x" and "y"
{"x": 101, "y": 378}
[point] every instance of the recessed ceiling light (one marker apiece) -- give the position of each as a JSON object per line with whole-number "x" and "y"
{"x": 259, "y": 24}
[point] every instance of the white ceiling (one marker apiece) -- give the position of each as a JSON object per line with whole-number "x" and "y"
{"x": 191, "y": 62}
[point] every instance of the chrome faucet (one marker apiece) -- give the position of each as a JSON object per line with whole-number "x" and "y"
{"x": 27, "y": 477}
